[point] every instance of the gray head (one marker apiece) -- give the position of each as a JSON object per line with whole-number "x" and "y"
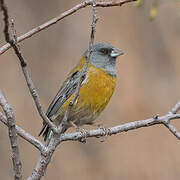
{"x": 104, "y": 57}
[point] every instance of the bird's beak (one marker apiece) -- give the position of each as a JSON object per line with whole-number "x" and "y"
{"x": 116, "y": 52}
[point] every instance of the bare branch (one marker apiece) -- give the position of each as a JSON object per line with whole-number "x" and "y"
{"x": 26, "y": 73}
{"x": 17, "y": 165}
{"x": 43, "y": 162}
{"x": 20, "y": 131}
{"x": 124, "y": 128}
{"x": 26, "y": 136}
{"x": 36, "y": 99}
{"x": 78, "y": 136}
{"x": 39, "y": 170}
{"x": 176, "y": 108}
{"x": 84, "y": 70}
{"x": 173, "y": 130}
{"x": 62, "y": 16}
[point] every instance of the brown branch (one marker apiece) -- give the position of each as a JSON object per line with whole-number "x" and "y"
{"x": 26, "y": 136}
{"x": 62, "y": 16}
{"x": 17, "y": 165}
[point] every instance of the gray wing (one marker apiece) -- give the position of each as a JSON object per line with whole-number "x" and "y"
{"x": 66, "y": 90}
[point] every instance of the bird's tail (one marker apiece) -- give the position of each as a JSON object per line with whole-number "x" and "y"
{"x": 47, "y": 133}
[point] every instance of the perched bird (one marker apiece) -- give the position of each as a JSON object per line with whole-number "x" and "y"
{"x": 96, "y": 89}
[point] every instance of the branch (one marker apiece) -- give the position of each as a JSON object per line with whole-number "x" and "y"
{"x": 26, "y": 136}
{"x": 23, "y": 63}
{"x": 43, "y": 162}
{"x": 77, "y": 136}
{"x": 62, "y": 16}
{"x": 20, "y": 131}
{"x": 17, "y": 165}
{"x": 176, "y": 108}
{"x": 84, "y": 70}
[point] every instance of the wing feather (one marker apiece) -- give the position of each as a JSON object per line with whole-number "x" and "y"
{"x": 66, "y": 90}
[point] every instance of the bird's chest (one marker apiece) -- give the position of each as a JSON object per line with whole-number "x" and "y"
{"x": 96, "y": 90}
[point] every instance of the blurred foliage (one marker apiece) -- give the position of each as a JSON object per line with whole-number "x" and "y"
{"x": 153, "y": 10}
{"x": 154, "y": 7}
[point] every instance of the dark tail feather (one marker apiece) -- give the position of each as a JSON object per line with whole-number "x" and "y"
{"x": 42, "y": 129}
{"x": 45, "y": 131}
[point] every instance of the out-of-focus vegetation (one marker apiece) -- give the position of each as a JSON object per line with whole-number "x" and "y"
{"x": 154, "y": 6}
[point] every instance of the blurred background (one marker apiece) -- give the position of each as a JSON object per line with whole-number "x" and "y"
{"x": 147, "y": 84}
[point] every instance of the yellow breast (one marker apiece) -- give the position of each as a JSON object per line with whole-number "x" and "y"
{"x": 95, "y": 92}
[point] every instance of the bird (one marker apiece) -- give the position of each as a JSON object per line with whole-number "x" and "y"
{"x": 96, "y": 89}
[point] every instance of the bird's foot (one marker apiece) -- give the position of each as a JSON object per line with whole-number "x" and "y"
{"x": 79, "y": 129}
{"x": 105, "y": 134}
{"x": 100, "y": 126}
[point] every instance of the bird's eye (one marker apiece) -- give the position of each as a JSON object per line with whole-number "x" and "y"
{"x": 104, "y": 51}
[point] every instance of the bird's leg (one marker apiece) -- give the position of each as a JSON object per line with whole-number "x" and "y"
{"x": 100, "y": 126}
{"x": 104, "y": 138}
{"x": 74, "y": 125}
{"x": 79, "y": 129}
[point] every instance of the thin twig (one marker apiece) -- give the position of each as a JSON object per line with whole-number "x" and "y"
{"x": 44, "y": 160}
{"x": 84, "y": 69}
{"x": 26, "y": 136}
{"x": 26, "y": 73}
{"x": 17, "y": 165}
{"x": 173, "y": 130}
{"x": 176, "y": 108}
{"x": 62, "y": 16}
